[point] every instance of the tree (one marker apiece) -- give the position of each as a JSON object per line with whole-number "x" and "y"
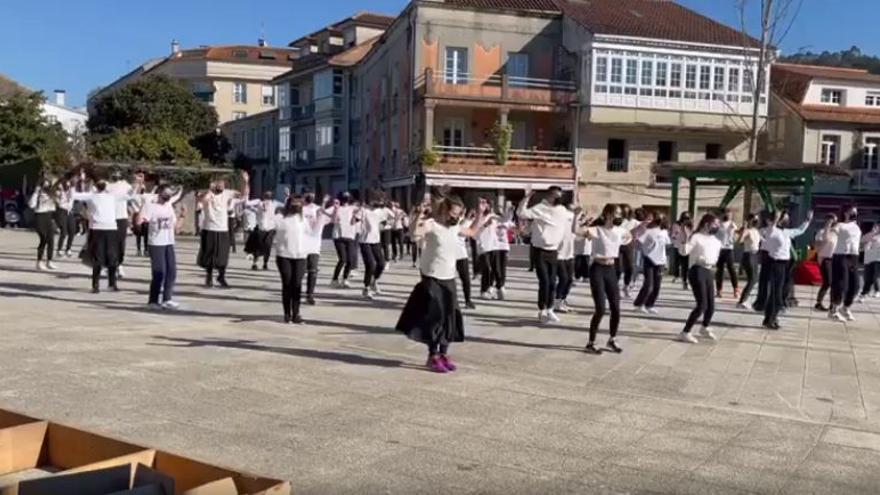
{"x": 25, "y": 132}
{"x": 144, "y": 145}
{"x": 213, "y": 146}
{"x": 154, "y": 102}
{"x": 852, "y": 58}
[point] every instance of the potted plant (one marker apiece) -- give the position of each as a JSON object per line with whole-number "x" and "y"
{"x": 502, "y": 134}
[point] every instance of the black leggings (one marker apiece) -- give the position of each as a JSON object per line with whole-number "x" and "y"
{"x": 462, "y": 266}
{"x": 385, "y": 240}
{"x": 763, "y": 281}
{"x": 346, "y": 254}
{"x": 777, "y": 273}
{"x": 844, "y": 279}
{"x": 122, "y": 235}
{"x": 725, "y": 260}
{"x": 626, "y": 264}
{"x": 493, "y": 269}
{"x": 374, "y": 263}
{"x": 582, "y": 266}
{"x": 292, "y": 272}
{"x": 749, "y": 264}
{"x": 603, "y": 286}
{"x": 700, "y": 278}
{"x": 396, "y": 244}
{"x": 140, "y": 237}
{"x": 653, "y": 274}
{"x": 872, "y": 278}
{"x": 825, "y": 271}
{"x": 45, "y": 227}
{"x": 545, "y": 266}
{"x": 66, "y": 222}
{"x": 312, "y": 262}
{"x": 415, "y": 251}
{"x": 681, "y": 267}
{"x": 565, "y": 277}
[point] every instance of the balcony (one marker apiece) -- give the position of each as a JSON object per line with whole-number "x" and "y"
{"x": 328, "y": 104}
{"x": 304, "y": 158}
{"x": 617, "y": 165}
{"x": 512, "y": 90}
{"x": 522, "y": 163}
{"x": 302, "y": 112}
{"x": 866, "y": 180}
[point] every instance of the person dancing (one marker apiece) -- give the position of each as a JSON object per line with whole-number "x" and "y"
{"x": 260, "y": 241}
{"x": 653, "y": 243}
{"x": 103, "y": 244}
{"x": 344, "y": 240}
{"x": 43, "y": 203}
{"x": 431, "y": 314}
{"x": 845, "y": 266}
{"x": 123, "y": 191}
{"x": 65, "y": 218}
{"x": 214, "y": 246}
{"x": 291, "y": 247}
{"x": 680, "y": 233}
{"x": 370, "y": 220}
{"x": 462, "y": 260}
{"x": 547, "y": 229}
{"x": 726, "y": 233}
{"x": 750, "y": 238}
{"x": 703, "y": 250}
{"x": 317, "y": 216}
{"x": 583, "y": 248}
{"x": 777, "y": 242}
{"x": 626, "y": 261}
{"x": 871, "y": 246}
{"x": 826, "y": 243}
{"x": 607, "y": 235}
{"x": 161, "y": 223}
{"x": 565, "y": 268}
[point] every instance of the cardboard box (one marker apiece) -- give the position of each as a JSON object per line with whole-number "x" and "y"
{"x": 39, "y": 457}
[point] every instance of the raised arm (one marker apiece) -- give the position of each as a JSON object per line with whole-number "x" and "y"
{"x": 245, "y": 190}
{"x": 799, "y": 231}
{"x": 523, "y": 211}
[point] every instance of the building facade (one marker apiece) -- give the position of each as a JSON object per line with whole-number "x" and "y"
{"x": 254, "y": 145}
{"x": 72, "y": 120}
{"x": 831, "y": 116}
{"x": 234, "y": 79}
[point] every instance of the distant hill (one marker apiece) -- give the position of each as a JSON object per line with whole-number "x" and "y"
{"x": 8, "y": 87}
{"x": 852, "y": 58}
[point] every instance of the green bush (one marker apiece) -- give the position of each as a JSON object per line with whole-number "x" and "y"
{"x": 502, "y": 135}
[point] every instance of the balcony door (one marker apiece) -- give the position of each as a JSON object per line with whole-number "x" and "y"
{"x": 456, "y": 65}
{"x": 871, "y": 155}
{"x": 519, "y": 139}
{"x": 517, "y": 68}
{"x": 453, "y": 132}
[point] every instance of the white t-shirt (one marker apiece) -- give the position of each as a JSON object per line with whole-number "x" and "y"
{"x": 548, "y": 224}
{"x": 388, "y": 218}
{"x": 372, "y": 220}
{"x": 752, "y": 240}
{"x": 872, "y": 248}
{"x": 703, "y": 249}
{"x": 725, "y": 234}
{"x": 316, "y": 220}
{"x": 291, "y": 237}
{"x": 653, "y": 243}
{"x": 566, "y": 245}
{"x": 41, "y": 201}
{"x": 266, "y": 212}
{"x": 463, "y": 241}
{"x": 679, "y": 236}
{"x": 161, "y": 220}
{"x": 398, "y": 216}
{"x": 849, "y": 238}
{"x": 777, "y": 242}
{"x": 629, "y": 224}
{"x": 582, "y": 246}
{"x": 342, "y": 227}
{"x": 441, "y": 249}
{"x": 122, "y": 190}
{"x": 607, "y": 242}
{"x": 215, "y": 214}
{"x": 101, "y": 207}
{"x": 826, "y": 242}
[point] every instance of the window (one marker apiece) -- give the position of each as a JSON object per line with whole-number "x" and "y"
{"x": 204, "y": 91}
{"x": 748, "y": 84}
{"x": 323, "y": 135}
{"x": 690, "y": 80}
{"x": 830, "y": 147}
{"x": 832, "y": 96}
{"x": 733, "y": 80}
{"x": 518, "y": 65}
{"x": 238, "y": 115}
{"x": 719, "y": 79}
{"x": 870, "y": 155}
{"x": 323, "y": 84}
{"x": 601, "y": 69}
{"x": 705, "y": 76}
{"x": 284, "y": 144}
{"x": 617, "y": 161}
{"x": 632, "y": 68}
{"x": 872, "y": 99}
{"x": 268, "y": 93}
{"x": 239, "y": 92}
{"x": 453, "y": 132}
{"x": 713, "y": 151}
{"x": 456, "y": 65}
{"x": 675, "y": 77}
{"x": 667, "y": 151}
{"x": 660, "y": 79}
{"x": 52, "y": 119}
{"x": 647, "y": 72}
{"x": 616, "y": 70}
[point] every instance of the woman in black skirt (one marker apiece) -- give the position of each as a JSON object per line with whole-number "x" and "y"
{"x": 259, "y": 242}
{"x": 431, "y": 315}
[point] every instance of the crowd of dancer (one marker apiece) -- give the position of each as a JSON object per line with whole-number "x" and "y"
{"x": 448, "y": 242}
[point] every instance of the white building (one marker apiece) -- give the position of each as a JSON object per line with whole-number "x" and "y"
{"x": 73, "y": 120}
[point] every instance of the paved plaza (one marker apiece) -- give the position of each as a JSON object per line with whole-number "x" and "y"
{"x": 343, "y": 404}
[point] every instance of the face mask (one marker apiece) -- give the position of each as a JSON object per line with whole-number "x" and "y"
{"x": 452, "y": 222}
{"x": 164, "y": 198}
{"x": 725, "y": 218}
{"x": 618, "y": 221}
{"x": 713, "y": 230}
{"x": 218, "y": 190}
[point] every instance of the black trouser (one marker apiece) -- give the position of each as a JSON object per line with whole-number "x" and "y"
{"x": 346, "y": 257}
{"x": 701, "y": 282}
{"x": 725, "y": 260}
{"x": 603, "y": 286}
{"x": 385, "y": 240}
{"x": 681, "y": 267}
{"x": 66, "y": 222}
{"x": 565, "y": 277}
{"x": 653, "y": 274}
{"x": 844, "y": 279}
{"x": 778, "y": 271}
{"x": 545, "y": 267}
{"x": 45, "y": 227}
{"x": 533, "y": 255}
{"x": 122, "y": 233}
{"x": 233, "y": 226}
{"x": 312, "y": 274}
{"x": 487, "y": 270}
{"x": 872, "y": 278}
{"x": 163, "y": 264}
{"x": 825, "y": 271}
{"x": 749, "y": 264}
{"x": 626, "y": 264}
{"x": 292, "y": 272}
{"x": 763, "y": 281}
{"x": 500, "y": 268}
{"x": 478, "y": 261}
{"x": 96, "y": 276}
{"x": 582, "y": 266}
{"x": 788, "y": 285}
{"x": 462, "y": 266}
{"x": 397, "y": 244}
{"x": 374, "y": 263}
{"x": 416, "y": 251}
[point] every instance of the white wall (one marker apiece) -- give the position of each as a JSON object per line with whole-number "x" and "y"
{"x": 854, "y": 92}
{"x": 71, "y": 120}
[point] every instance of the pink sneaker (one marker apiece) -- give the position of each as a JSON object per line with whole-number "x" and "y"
{"x": 435, "y": 364}
{"x": 447, "y": 363}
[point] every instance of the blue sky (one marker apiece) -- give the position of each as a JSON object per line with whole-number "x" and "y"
{"x": 82, "y": 44}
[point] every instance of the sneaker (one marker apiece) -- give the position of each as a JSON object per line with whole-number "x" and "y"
{"x": 503, "y": 293}
{"x": 707, "y": 332}
{"x": 848, "y": 315}
{"x": 687, "y": 338}
{"x": 96, "y": 290}
{"x": 367, "y": 294}
{"x": 643, "y": 309}
{"x": 626, "y": 293}
{"x": 566, "y": 308}
{"x": 254, "y": 267}
{"x": 435, "y": 364}
{"x": 345, "y": 284}
{"x": 771, "y": 325}
{"x": 311, "y": 301}
{"x": 40, "y": 266}
{"x": 836, "y": 316}
{"x": 486, "y": 295}
{"x": 120, "y": 272}
{"x": 222, "y": 283}
{"x": 653, "y": 311}
{"x": 68, "y": 254}
{"x": 249, "y": 257}
{"x": 819, "y": 307}
{"x": 447, "y": 363}
{"x": 742, "y": 305}
{"x": 114, "y": 288}
{"x": 612, "y": 344}
{"x": 592, "y": 349}
{"x": 470, "y": 305}
{"x": 375, "y": 288}
{"x": 542, "y": 317}
{"x": 59, "y": 253}
{"x": 876, "y": 295}
{"x": 297, "y": 320}
{"x": 335, "y": 284}
{"x": 139, "y": 253}
{"x": 51, "y": 266}
{"x": 551, "y": 317}
{"x": 558, "y": 306}
{"x": 170, "y": 305}
{"x": 860, "y": 299}
{"x": 154, "y": 307}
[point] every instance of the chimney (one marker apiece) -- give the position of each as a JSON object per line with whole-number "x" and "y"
{"x": 60, "y": 97}
{"x": 175, "y": 47}
{"x": 261, "y": 42}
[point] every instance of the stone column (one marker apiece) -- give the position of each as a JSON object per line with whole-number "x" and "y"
{"x": 429, "y": 125}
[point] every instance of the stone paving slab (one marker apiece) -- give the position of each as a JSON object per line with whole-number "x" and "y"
{"x": 342, "y": 404}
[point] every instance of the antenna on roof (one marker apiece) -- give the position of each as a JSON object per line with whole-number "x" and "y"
{"x": 262, "y": 40}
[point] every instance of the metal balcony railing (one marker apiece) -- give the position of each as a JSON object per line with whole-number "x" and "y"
{"x": 866, "y": 180}
{"x": 617, "y": 165}
{"x": 298, "y": 112}
{"x": 515, "y": 155}
{"x": 430, "y": 79}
